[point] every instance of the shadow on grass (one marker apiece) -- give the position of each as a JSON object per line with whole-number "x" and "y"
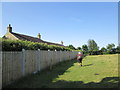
{"x": 108, "y": 82}
{"x": 44, "y": 79}
{"x": 88, "y": 65}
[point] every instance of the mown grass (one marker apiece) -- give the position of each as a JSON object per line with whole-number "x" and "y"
{"x": 98, "y": 71}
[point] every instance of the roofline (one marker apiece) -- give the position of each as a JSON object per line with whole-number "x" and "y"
{"x": 49, "y": 43}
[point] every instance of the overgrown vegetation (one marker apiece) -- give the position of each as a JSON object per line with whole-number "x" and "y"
{"x": 18, "y": 45}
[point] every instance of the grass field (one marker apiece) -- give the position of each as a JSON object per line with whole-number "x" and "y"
{"x": 98, "y": 71}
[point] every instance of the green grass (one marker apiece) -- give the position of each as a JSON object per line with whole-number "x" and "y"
{"x": 98, "y": 71}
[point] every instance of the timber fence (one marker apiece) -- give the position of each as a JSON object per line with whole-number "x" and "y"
{"x": 19, "y": 64}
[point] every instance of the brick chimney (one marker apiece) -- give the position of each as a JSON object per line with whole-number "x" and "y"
{"x": 39, "y": 36}
{"x": 9, "y": 28}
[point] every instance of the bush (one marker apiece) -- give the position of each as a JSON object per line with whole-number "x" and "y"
{"x": 18, "y": 45}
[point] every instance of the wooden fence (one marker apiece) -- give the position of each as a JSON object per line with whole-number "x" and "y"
{"x": 0, "y": 70}
{"x": 18, "y": 64}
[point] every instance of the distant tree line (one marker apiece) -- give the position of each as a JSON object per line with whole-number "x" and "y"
{"x": 93, "y": 49}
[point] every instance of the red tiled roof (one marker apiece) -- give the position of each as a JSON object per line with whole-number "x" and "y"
{"x": 33, "y": 39}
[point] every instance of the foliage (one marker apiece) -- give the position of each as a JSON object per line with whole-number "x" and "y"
{"x": 85, "y": 49}
{"x": 118, "y": 49}
{"x": 92, "y": 45}
{"x": 111, "y": 48}
{"x": 71, "y": 47}
{"x": 103, "y": 49}
{"x": 79, "y": 48}
{"x": 91, "y": 48}
{"x": 18, "y": 45}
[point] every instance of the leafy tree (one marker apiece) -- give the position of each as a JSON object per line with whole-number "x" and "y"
{"x": 85, "y": 48}
{"x": 118, "y": 49}
{"x": 79, "y": 48}
{"x": 92, "y": 46}
{"x": 111, "y": 48}
{"x": 71, "y": 47}
{"x": 103, "y": 50}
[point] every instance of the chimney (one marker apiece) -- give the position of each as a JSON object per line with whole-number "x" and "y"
{"x": 9, "y": 28}
{"x": 62, "y": 42}
{"x": 39, "y": 36}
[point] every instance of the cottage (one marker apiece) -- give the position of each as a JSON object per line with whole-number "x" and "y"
{"x": 16, "y": 36}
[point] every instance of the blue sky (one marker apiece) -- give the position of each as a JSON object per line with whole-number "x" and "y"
{"x": 72, "y": 22}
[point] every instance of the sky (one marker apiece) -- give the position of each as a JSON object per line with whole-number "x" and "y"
{"x": 71, "y": 22}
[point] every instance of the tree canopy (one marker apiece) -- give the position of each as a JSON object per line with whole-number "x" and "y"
{"x": 92, "y": 45}
{"x": 71, "y": 47}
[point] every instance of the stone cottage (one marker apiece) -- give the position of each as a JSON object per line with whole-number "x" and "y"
{"x": 16, "y": 36}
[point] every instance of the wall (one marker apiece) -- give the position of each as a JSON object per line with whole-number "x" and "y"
{"x": 9, "y": 35}
{"x": 18, "y": 64}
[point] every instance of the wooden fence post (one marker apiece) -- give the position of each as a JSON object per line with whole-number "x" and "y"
{"x": 50, "y": 60}
{"x": 23, "y": 62}
{"x": 60, "y": 55}
{"x": 38, "y": 59}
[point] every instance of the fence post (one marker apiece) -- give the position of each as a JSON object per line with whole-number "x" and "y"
{"x": 60, "y": 55}
{"x": 38, "y": 59}
{"x": 56, "y": 56}
{"x": 23, "y": 62}
{"x": 51, "y": 61}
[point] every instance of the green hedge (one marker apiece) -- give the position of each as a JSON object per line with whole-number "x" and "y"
{"x": 18, "y": 45}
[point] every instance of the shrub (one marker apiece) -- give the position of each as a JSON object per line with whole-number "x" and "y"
{"x": 18, "y": 45}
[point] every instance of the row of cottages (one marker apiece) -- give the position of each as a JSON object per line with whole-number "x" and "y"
{"x": 16, "y": 36}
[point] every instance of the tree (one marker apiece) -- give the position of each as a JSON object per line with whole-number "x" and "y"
{"x": 79, "y": 48}
{"x": 71, "y": 47}
{"x": 85, "y": 48}
{"x": 111, "y": 48}
{"x": 92, "y": 46}
{"x": 118, "y": 49}
{"x": 103, "y": 50}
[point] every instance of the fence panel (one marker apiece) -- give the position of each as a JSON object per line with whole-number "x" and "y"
{"x": 30, "y": 61}
{"x": 43, "y": 59}
{"x": 11, "y": 67}
{"x": 18, "y": 64}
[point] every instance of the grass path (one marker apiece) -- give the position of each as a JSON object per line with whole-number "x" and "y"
{"x": 97, "y": 71}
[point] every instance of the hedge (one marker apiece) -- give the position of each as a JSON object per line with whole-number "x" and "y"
{"x": 18, "y": 45}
